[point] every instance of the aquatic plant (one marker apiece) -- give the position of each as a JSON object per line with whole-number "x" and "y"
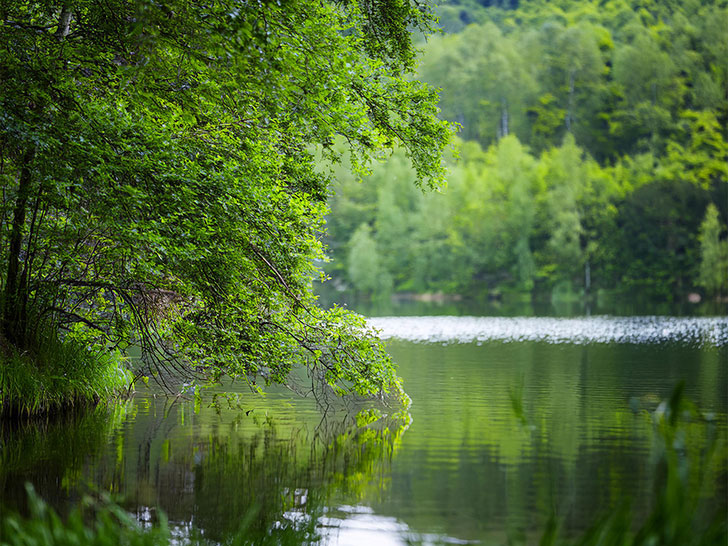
{"x": 680, "y": 514}
{"x": 97, "y": 522}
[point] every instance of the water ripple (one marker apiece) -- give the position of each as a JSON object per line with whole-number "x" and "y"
{"x": 581, "y": 330}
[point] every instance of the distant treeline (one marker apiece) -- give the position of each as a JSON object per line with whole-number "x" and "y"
{"x": 594, "y": 156}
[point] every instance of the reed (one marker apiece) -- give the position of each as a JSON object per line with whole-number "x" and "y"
{"x": 681, "y": 513}
{"x": 98, "y": 522}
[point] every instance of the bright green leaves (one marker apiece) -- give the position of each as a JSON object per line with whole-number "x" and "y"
{"x": 384, "y": 28}
{"x": 704, "y": 160}
{"x": 713, "y": 272}
{"x": 564, "y": 172}
{"x": 174, "y": 201}
{"x": 364, "y": 270}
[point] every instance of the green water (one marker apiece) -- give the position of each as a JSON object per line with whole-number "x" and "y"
{"x": 500, "y": 435}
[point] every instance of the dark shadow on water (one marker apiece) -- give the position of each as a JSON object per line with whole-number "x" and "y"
{"x": 518, "y": 304}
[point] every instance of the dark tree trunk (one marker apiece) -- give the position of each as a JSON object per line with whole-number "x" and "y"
{"x": 14, "y": 323}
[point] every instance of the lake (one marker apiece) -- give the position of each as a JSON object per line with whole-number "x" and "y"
{"x": 513, "y": 420}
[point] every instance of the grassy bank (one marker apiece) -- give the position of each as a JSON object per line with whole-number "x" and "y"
{"x": 58, "y": 374}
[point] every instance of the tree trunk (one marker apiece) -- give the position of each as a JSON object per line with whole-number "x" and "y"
{"x": 504, "y": 118}
{"x": 64, "y": 22}
{"x": 570, "y": 108}
{"x": 14, "y": 322}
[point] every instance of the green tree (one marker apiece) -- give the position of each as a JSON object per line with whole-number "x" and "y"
{"x": 159, "y": 183}
{"x": 516, "y": 167}
{"x": 571, "y": 63}
{"x": 485, "y": 82}
{"x": 393, "y": 233}
{"x": 703, "y": 159}
{"x": 657, "y": 248}
{"x": 365, "y": 271}
{"x": 479, "y": 198}
{"x": 563, "y": 171}
{"x": 713, "y": 273}
{"x": 645, "y": 114}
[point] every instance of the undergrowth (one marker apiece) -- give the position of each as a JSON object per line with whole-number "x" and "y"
{"x": 58, "y": 374}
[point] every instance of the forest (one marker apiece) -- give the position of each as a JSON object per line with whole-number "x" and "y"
{"x": 592, "y": 158}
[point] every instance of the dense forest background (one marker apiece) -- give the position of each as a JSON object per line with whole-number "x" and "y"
{"x": 593, "y": 157}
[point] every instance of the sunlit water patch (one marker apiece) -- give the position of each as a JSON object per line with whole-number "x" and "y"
{"x": 698, "y": 331}
{"x": 358, "y": 525}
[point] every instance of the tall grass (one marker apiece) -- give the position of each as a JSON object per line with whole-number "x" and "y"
{"x": 58, "y": 374}
{"x": 681, "y": 512}
{"x": 102, "y": 522}
{"x": 95, "y": 523}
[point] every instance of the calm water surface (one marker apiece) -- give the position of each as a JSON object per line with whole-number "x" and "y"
{"x": 512, "y": 420}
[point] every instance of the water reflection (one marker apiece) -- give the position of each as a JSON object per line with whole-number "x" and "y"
{"x": 216, "y": 474}
{"x": 53, "y": 454}
{"x": 499, "y": 436}
{"x": 469, "y": 467}
{"x": 359, "y": 525}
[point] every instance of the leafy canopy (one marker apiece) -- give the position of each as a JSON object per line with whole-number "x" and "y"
{"x": 159, "y": 181}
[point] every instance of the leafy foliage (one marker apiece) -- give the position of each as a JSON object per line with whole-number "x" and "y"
{"x": 594, "y": 139}
{"x": 713, "y": 274}
{"x": 159, "y": 183}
